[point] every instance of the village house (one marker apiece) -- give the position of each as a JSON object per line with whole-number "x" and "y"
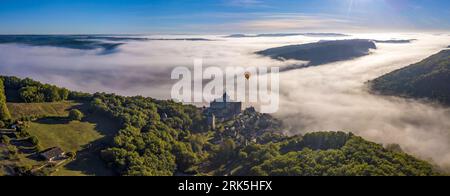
{"x": 52, "y": 154}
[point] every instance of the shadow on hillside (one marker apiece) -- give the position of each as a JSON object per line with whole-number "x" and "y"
{"x": 103, "y": 124}
{"x": 53, "y": 120}
{"x": 34, "y": 156}
{"x": 88, "y": 160}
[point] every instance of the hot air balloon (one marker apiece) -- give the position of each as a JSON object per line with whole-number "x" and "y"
{"x": 247, "y": 75}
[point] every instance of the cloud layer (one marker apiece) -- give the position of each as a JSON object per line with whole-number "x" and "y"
{"x": 334, "y": 97}
{"x": 328, "y": 97}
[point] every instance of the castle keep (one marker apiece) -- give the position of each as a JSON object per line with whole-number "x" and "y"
{"x": 223, "y": 109}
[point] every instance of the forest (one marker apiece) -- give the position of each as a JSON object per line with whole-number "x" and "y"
{"x": 428, "y": 79}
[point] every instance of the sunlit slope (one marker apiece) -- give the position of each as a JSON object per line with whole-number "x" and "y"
{"x": 428, "y": 79}
{"x": 56, "y": 109}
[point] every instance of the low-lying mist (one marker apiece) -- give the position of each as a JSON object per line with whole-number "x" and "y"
{"x": 329, "y": 97}
{"x": 335, "y": 97}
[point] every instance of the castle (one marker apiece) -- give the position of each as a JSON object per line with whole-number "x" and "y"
{"x": 223, "y": 109}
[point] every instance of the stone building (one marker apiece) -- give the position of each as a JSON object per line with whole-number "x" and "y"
{"x": 223, "y": 109}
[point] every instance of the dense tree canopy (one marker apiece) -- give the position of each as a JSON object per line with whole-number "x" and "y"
{"x": 30, "y": 91}
{"x": 428, "y": 79}
{"x": 149, "y": 144}
{"x": 324, "y": 154}
{"x": 4, "y": 112}
{"x": 356, "y": 157}
{"x": 164, "y": 138}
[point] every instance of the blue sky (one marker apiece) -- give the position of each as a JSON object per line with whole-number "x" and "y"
{"x": 221, "y": 16}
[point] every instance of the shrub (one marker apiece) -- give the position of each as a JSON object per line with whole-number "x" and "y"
{"x": 34, "y": 140}
{"x": 76, "y": 115}
{"x": 13, "y": 152}
{"x": 71, "y": 154}
{"x": 5, "y": 139}
{"x": 23, "y": 133}
{"x": 23, "y": 170}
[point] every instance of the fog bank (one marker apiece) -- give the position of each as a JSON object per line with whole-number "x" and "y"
{"x": 330, "y": 97}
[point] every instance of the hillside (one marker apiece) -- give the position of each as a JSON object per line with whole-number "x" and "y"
{"x": 323, "y": 154}
{"x": 428, "y": 79}
{"x": 105, "y": 44}
{"x": 288, "y": 34}
{"x": 141, "y": 136}
{"x": 52, "y": 128}
{"x": 62, "y": 41}
{"x": 54, "y": 109}
{"x": 395, "y": 41}
{"x": 322, "y": 52}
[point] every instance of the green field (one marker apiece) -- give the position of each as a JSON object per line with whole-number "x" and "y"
{"x": 70, "y": 136}
{"x": 57, "y": 109}
{"x": 74, "y": 136}
{"x": 86, "y": 138}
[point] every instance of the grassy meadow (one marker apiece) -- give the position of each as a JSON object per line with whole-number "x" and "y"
{"x": 84, "y": 137}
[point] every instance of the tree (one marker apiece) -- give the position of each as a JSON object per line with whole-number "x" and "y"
{"x": 64, "y": 94}
{"x": 30, "y": 91}
{"x": 225, "y": 152}
{"x": 52, "y": 93}
{"x": 394, "y": 147}
{"x": 31, "y": 94}
{"x": 185, "y": 157}
{"x": 5, "y": 139}
{"x": 76, "y": 114}
{"x": 4, "y": 112}
{"x": 34, "y": 140}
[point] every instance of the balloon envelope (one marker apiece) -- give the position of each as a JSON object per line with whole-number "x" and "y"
{"x": 247, "y": 75}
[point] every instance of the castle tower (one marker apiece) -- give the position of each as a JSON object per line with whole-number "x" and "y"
{"x": 212, "y": 121}
{"x": 224, "y": 97}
